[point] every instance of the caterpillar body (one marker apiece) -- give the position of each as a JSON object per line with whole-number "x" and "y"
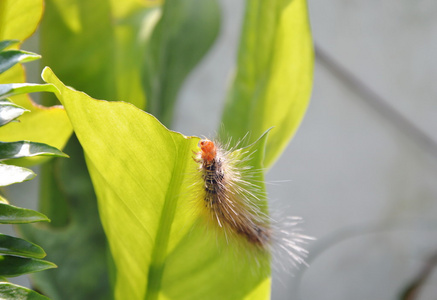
{"x": 223, "y": 199}
{"x": 234, "y": 201}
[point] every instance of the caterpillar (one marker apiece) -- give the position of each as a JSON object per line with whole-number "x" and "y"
{"x": 226, "y": 197}
{"x": 235, "y": 202}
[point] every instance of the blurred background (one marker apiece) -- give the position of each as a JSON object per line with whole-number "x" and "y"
{"x": 362, "y": 169}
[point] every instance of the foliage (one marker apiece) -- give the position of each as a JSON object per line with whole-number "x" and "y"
{"x": 48, "y": 125}
{"x": 174, "y": 48}
{"x": 67, "y": 193}
{"x": 18, "y": 256}
{"x": 142, "y": 173}
{"x": 273, "y": 81}
{"x": 16, "y": 292}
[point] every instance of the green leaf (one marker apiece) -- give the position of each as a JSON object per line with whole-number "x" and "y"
{"x": 12, "y": 57}
{"x": 9, "y": 111}
{"x": 12, "y": 89}
{"x": 43, "y": 125}
{"x": 185, "y": 32}
{"x": 20, "y": 247}
{"x": 69, "y": 27}
{"x": 26, "y": 149}
{"x": 120, "y": 27}
{"x": 10, "y": 214}
{"x": 133, "y": 27}
{"x": 13, "y": 174}
{"x": 9, "y": 291}
{"x": 49, "y": 125}
{"x": 7, "y": 43}
{"x": 143, "y": 175}
{"x": 274, "y": 74}
{"x": 12, "y": 266}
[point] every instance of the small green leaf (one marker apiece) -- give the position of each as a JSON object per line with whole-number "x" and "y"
{"x": 43, "y": 125}
{"x": 6, "y": 43}
{"x": 9, "y": 111}
{"x": 49, "y": 125}
{"x": 17, "y": 246}
{"x": 10, "y": 291}
{"x": 12, "y": 266}
{"x": 13, "y": 174}
{"x": 11, "y": 57}
{"x": 10, "y": 150}
{"x": 12, "y": 89}
{"x": 10, "y": 214}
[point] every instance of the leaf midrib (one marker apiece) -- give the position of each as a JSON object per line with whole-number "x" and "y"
{"x": 159, "y": 252}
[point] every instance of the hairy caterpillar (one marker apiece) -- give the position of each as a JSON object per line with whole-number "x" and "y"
{"x": 234, "y": 201}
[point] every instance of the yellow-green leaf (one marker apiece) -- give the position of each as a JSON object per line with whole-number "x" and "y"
{"x": 274, "y": 74}
{"x": 143, "y": 175}
{"x": 19, "y": 18}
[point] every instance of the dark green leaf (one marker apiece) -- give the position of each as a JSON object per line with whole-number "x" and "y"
{"x": 9, "y": 111}
{"x": 10, "y": 214}
{"x": 12, "y": 89}
{"x": 10, "y": 150}
{"x": 66, "y": 30}
{"x": 13, "y": 174}
{"x": 11, "y": 57}
{"x": 6, "y": 43}
{"x": 11, "y": 266}
{"x": 17, "y": 246}
{"x": 9, "y": 291}
{"x": 185, "y": 32}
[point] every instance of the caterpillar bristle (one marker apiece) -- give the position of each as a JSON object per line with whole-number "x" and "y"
{"x": 234, "y": 201}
